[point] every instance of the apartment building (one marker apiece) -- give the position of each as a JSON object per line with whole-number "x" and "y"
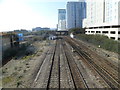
{"x": 103, "y": 17}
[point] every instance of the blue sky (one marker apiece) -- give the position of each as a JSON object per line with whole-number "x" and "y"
{"x": 27, "y": 14}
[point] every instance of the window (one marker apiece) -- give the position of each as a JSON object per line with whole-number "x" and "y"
{"x": 118, "y": 32}
{"x": 92, "y": 31}
{"x": 112, "y": 38}
{"x": 118, "y": 38}
{"x": 97, "y": 31}
{"x": 104, "y": 31}
{"x": 112, "y": 32}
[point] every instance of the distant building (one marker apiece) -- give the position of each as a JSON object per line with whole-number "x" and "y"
{"x": 21, "y": 31}
{"x": 103, "y": 17}
{"x": 36, "y": 29}
{"x": 62, "y": 25}
{"x": 61, "y": 19}
{"x": 40, "y": 28}
{"x": 76, "y": 12}
{"x": 45, "y": 28}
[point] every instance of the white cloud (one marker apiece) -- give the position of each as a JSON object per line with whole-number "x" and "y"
{"x": 17, "y": 15}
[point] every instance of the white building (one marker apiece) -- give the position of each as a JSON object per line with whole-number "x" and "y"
{"x": 62, "y": 25}
{"x": 103, "y": 17}
{"x": 61, "y": 19}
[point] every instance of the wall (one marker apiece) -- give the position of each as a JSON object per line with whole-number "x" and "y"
{"x": 6, "y": 42}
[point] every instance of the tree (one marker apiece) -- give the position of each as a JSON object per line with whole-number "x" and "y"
{"x": 77, "y": 30}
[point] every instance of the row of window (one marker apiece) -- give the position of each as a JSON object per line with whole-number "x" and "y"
{"x": 114, "y": 38}
{"x": 114, "y": 26}
{"x": 104, "y": 32}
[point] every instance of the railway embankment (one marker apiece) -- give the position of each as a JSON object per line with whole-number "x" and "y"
{"x": 16, "y": 73}
{"x": 101, "y": 41}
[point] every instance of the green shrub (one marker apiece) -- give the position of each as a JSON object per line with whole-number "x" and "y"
{"x": 101, "y": 40}
{"x": 77, "y": 31}
{"x": 13, "y": 52}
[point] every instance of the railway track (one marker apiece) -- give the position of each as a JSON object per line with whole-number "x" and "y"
{"x": 105, "y": 74}
{"x": 76, "y": 74}
{"x": 59, "y": 69}
{"x": 102, "y": 60}
{"x": 66, "y": 80}
{"x": 54, "y": 76}
{"x": 40, "y": 71}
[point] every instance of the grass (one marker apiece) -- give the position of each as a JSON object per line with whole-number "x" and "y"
{"x": 7, "y": 80}
{"x": 41, "y": 51}
{"x": 14, "y": 74}
{"x": 27, "y": 57}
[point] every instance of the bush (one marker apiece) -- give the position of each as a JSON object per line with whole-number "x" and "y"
{"x": 77, "y": 31}
{"x": 13, "y": 52}
{"x": 9, "y": 52}
{"x": 101, "y": 40}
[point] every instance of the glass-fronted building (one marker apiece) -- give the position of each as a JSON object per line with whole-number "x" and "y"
{"x": 76, "y": 12}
